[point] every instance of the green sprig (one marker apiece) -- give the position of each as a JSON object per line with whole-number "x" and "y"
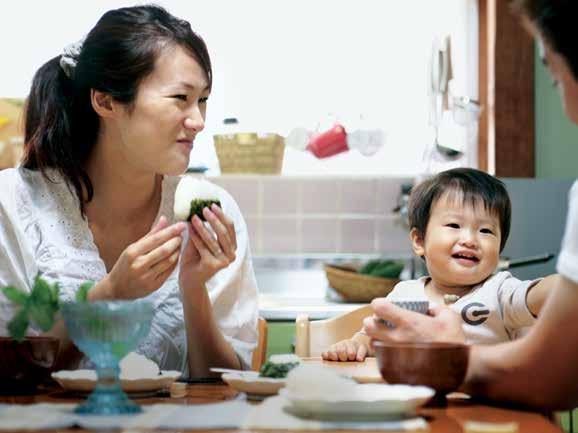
{"x": 40, "y": 306}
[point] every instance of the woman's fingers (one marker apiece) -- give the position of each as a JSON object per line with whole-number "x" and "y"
{"x": 161, "y": 224}
{"x": 199, "y": 244}
{"x": 160, "y": 268}
{"x": 227, "y": 222}
{"x": 210, "y": 241}
{"x": 223, "y": 236}
{"x": 161, "y": 253}
{"x": 162, "y": 277}
{"x": 156, "y": 239}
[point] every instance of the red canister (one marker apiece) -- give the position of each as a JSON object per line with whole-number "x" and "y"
{"x": 328, "y": 143}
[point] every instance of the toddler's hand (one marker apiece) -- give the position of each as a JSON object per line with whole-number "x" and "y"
{"x": 346, "y": 350}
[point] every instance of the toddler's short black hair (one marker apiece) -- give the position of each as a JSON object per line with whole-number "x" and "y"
{"x": 473, "y": 185}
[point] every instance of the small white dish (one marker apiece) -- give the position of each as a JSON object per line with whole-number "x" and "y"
{"x": 85, "y": 381}
{"x": 251, "y": 383}
{"x": 362, "y": 401}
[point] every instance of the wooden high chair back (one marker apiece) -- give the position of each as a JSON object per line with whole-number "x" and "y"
{"x": 260, "y": 352}
{"x": 314, "y": 337}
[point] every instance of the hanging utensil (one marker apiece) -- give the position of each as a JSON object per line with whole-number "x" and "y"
{"x": 440, "y": 74}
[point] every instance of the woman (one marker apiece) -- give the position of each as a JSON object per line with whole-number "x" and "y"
{"x": 109, "y": 127}
{"x": 539, "y": 369}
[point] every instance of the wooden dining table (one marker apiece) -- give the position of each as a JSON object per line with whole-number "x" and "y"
{"x": 462, "y": 413}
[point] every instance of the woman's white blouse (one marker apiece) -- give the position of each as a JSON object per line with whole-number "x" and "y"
{"x": 42, "y": 231}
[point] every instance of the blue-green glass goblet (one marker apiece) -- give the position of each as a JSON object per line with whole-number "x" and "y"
{"x": 106, "y": 332}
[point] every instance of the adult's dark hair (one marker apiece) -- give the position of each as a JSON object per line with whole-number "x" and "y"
{"x": 474, "y": 187}
{"x": 61, "y": 127}
{"x": 556, "y": 21}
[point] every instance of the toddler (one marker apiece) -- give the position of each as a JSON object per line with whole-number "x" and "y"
{"x": 460, "y": 221}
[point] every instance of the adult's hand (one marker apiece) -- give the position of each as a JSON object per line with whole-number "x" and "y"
{"x": 145, "y": 265}
{"x": 208, "y": 251}
{"x": 440, "y": 325}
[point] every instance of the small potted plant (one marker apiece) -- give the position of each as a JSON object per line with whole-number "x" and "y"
{"x": 104, "y": 331}
{"x": 29, "y": 360}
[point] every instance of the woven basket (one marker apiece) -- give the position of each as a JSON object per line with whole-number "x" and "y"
{"x": 355, "y": 287}
{"x": 250, "y": 153}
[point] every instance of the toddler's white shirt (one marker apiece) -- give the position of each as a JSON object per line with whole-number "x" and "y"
{"x": 492, "y": 312}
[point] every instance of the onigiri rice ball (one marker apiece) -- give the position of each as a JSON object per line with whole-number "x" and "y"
{"x": 192, "y": 195}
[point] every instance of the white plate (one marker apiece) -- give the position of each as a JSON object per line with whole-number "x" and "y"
{"x": 379, "y": 401}
{"x": 85, "y": 380}
{"x": 251, "y": 383}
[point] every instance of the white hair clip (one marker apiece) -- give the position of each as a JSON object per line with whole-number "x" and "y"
{"x": 69, "y": 57}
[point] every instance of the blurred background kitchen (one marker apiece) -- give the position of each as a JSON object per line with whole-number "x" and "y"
{"x": 434, "y": 80}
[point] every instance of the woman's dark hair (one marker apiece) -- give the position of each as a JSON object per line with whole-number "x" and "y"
{"x": 61, "y": 127}
{"x": 474, "y": 186}
{"x": 555, "y": 20}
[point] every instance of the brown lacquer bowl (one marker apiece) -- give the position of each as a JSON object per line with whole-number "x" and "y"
{"x": 26, "y": 364}
{"x": 441, "y": 366}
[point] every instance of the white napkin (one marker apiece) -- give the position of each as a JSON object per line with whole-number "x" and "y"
{"x": 36, "y": 416}
{"x": 225, "y": 415}
{"x": 232, "y": 414}
{"x": 269, "y": 415}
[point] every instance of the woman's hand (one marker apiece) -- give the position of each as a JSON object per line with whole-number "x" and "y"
{"x": 207, "y": 253}
{"x": 441, "y": 325}
{"x": 145, "y": 265}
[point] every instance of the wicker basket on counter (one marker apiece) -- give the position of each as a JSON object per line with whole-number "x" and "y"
{"x": 355, "y": 287}
{"x": 250, "y": 153}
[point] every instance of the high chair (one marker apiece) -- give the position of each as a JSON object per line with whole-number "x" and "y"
{"x": 260, "y": 351}
{"x": 314, "y": 337}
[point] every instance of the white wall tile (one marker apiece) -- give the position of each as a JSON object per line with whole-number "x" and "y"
{"x": 358, "y": 196}
{"x": 392, "y": 236}
{"x": 305, "y": 214}
{"x": 280, "y": 235}
{"x": 320, "y": 235}
{"x": 246, "y": 190}
{"x": 320, "y": 196}
{"x": 280, "y": 195}
{"x": 357, "y": 235}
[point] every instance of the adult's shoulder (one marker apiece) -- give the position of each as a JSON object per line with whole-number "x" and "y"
{"x": 13, "y": 182}
{"x": 33, "y": 187}
{"x": 8, "y": 178}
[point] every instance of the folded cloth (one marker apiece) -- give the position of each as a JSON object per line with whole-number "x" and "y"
{"x": 234, "y": 414}
{"x": 271, "y": 415}
{"x": 225, "y": 415}
{"x": 36, "y": 416}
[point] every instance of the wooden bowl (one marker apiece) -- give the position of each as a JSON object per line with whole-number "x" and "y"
{"x": 27, "y": 363}
{"x": 441, "y": 366}
{"x": 355, "y": 287}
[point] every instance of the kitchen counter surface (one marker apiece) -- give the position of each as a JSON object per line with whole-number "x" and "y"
{"x": 283, "y": 295}
{"x": 273, "y": 307}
